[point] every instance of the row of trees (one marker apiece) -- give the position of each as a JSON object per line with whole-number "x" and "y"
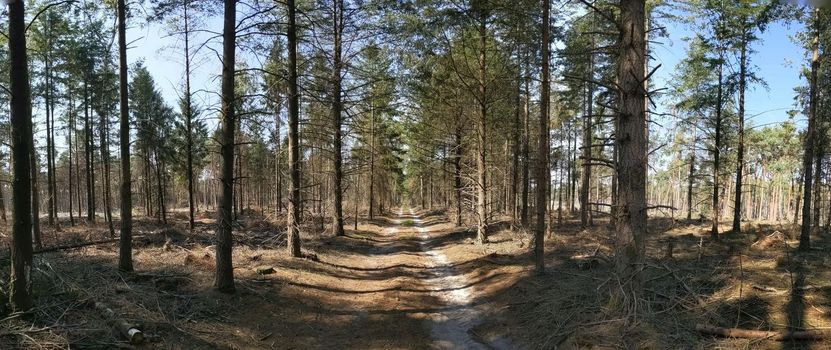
{"x": 320, "y": 115}
{"x": 259, "y": 164}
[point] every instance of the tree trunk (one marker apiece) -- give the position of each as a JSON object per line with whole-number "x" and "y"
{"x": 457, "y": 173}
{"x": 818, "y": 153}
{"x": 337, "y": 214}
{"x": 631, "y": 140}
{"x": 2, "y": 204}
{"x": 585, "y": 176}
{"x": 292, "y": 222}
{"x": 516, "y": 147}
{"x": 69, "y": 127}
{"x": 808, "y": 157}
{"x": 690, "y": 183}
{"x": 798, "y": 200}
{"x": 371, "y": 160}
{"x": 188, "y": 117}
{"x": 737, "y": 208}
{"x": 160, "y": 189}
{"x": 125, "y": 256}
{"x": 421, "y": 191}
{"x": 278, "y": 173}
{"x": 526, "y": 156}
{"x": 614, "y": 209}
{"x": 20, "y": 284}
{"x": 103, "y": 132}
{"x": 543, "y": 151}
{"x": 224, "y": 239}
{"x": 560, "y": 190}
{"x": 88, "y": 169}
{"x": 53, "y": 154}
{"x": 35, "y": 169}
{"x": 717, "y": 149}
{"x": 573, "y": 173}
{"x": 481, "y": 133}
{"x": 49, "y": 156}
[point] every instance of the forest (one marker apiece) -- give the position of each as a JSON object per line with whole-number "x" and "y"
{"x": 415, "y": 174}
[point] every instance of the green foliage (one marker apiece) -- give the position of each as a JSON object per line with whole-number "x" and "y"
{"x": 153, "y": 119}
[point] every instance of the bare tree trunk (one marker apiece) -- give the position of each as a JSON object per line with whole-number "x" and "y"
{"x": 717, "y": 149}
{"x": 294, "y": 152}
{"x": 188, "y": 116}
{"x": 808, "y": 157}
{"x": 125, "y": 254}
{"x": 278, "y": 173}
{"x": 631, "y": 140}
{"x": 457, "y": 173}
{"x": 481, "y": 134}
{"x": 371, "y": 161}
{"x": 224, "y": 239}
{"x": 160, "y": 189}
{"x": 88, "y": 168}
{"x": 49, "y": 136}
{"x": 20, "y": 284}
{"x": 430, "y": 203}
{"x": 516, "y": 145}
{"x": 818, "y": 155}
{"x": 53, "y": 153}
{"x": 585, "y": 181}
{"x": 690, "y": 183}
{"x": 737, "y": 208}
{"x": 798, "y": 199}
{"x": 103, "y": 132}
{"x": 614, "y": 209}
{"x": 560, "y": 190}
{"x": 2, "y": 204}
{"x": 356, "y": 200}
{"x": 78, "y": 203}
{"x": 35, "y": 169}
{"x": 69, "y": 127}
{"x": 543, "y": 151}
{"x": 526, "y": 156}
{"x": 338, "y": 24}
{"x": 421, "y": 191}
{"x": 573, "y": 173}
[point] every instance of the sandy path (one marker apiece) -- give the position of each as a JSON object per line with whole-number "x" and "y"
{"x": 449, "y": 329}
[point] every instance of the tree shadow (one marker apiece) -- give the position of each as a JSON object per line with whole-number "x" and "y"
{"x": 795, "y": 308}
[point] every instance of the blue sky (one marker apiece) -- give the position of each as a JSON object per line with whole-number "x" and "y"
{"x": 777, "y": 58}
{"x": 164, "y": 57}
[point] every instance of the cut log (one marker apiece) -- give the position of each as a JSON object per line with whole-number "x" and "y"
{"x": 77, "y": 245}
{"x": 129, "y": 331}
{"x": 766, "y": 288}
{"x": 804, "y": 288}
{"x": 757, "y": 334}
{"x": 264, "y": 270}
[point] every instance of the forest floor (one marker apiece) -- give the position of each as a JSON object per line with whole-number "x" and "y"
{"x": 411, "y": 280}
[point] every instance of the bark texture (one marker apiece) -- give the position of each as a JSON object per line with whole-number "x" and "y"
{"x": 631, "y": 141}
{"x": 224, "y": 239}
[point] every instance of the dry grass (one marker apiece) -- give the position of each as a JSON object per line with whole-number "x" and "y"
{"x": 368, "y": 290}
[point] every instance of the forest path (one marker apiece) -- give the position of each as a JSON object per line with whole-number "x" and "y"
{"x": 451, "y": 324}
{"x": 450, "y": 327}
{"x": 404, "y": 280}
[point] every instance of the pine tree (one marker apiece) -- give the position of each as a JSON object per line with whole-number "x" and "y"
{"x": 20, "y": 286}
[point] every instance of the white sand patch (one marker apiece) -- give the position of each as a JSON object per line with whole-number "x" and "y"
{"x": 450, "y": 329}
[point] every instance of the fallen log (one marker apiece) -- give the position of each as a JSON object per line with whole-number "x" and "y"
{"x": 77, "y": 245}
{"x": 799, "y": 288}
{"x": 129, "y": 331}
{"x": 757, "y": 334}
